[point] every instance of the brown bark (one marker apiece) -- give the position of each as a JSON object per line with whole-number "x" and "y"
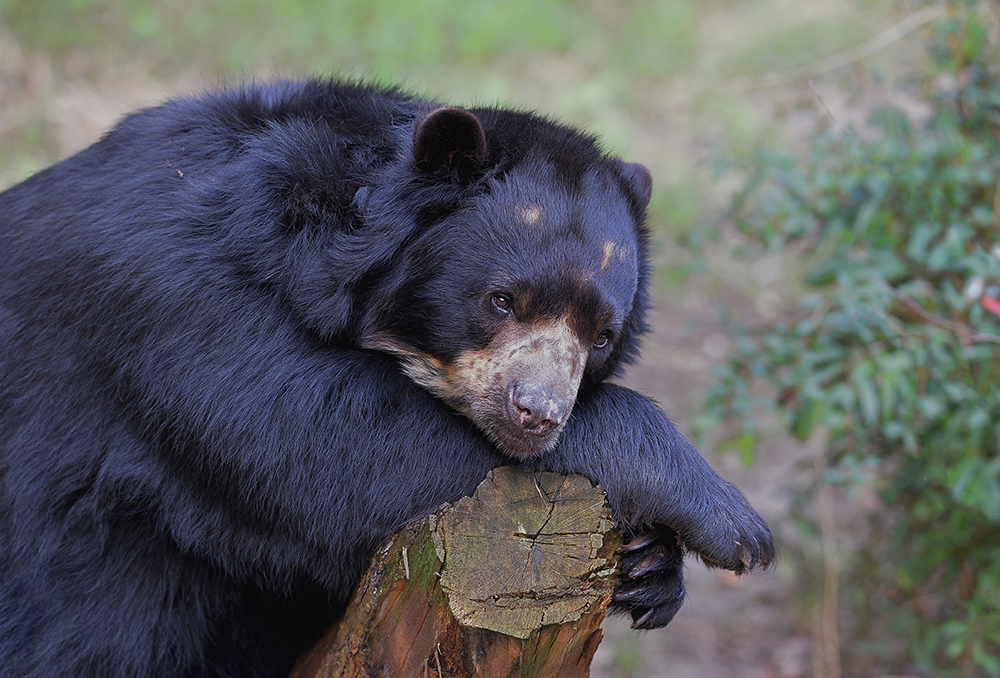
{"x": 513, "y": 581}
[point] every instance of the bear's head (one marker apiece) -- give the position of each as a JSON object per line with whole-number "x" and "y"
{"x": 527, "y": 279}
{"x": 499, "y": 256}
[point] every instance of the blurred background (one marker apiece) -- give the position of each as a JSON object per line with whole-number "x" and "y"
{"x": 825, "y": 220}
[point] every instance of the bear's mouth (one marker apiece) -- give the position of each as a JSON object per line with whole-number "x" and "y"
{"x": 518, "y": 444}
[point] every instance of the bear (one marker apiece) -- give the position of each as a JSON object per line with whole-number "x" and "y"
{"x": 248, "y": 334}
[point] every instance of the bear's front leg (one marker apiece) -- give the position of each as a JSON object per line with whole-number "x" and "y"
{"x": 655, "y": 478}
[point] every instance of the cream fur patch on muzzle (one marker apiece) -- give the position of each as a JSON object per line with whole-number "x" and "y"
{"x": 519, "y": 390}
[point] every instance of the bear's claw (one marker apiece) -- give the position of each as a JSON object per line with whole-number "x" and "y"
{"x": 652, "y": 586}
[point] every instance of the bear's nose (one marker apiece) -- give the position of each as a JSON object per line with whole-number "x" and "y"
{"x": 536, "y": 409}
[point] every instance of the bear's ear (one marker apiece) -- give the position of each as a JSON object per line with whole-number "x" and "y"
{"x": 639, "y": 180}
{"x": 450, "y": 142}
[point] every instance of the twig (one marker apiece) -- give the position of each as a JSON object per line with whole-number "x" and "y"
{"x": 829, "y": 632}
{"x": 819, "y": 313}
{"x": 965, "y": 334}
{"x": 845, "y": 57}
{"x": 828, "y": 109}
{"x": 996, "y": 203}
{"x": 8, "y": 34}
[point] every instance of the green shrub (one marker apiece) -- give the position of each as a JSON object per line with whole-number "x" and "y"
{"x": 894, "y": 350}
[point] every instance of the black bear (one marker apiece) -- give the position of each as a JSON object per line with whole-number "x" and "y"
{"x": 244, "y": 337}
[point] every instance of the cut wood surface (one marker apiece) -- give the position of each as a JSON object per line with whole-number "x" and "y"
{"x": 513, "y": 581}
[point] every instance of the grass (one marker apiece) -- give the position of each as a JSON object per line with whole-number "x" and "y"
{"x": 628, "y": 69}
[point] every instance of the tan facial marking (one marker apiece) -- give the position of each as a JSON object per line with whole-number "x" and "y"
{"x": 423, "y": 369}
{"x": 548, "y": 353}
{"x": 548, "y": 356}
{"x": 618, "y": 252}
{"x": 609, "y": 251}
{"x": 530, "y": 214}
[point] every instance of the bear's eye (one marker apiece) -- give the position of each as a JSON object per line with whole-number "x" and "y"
{"x": 501, "y": 302}
{"x": 602, "y": 341}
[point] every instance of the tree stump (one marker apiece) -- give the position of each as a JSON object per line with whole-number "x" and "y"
{"x": 513, "y": 581}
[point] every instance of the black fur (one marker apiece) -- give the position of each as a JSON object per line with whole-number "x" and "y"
{"x": 197, "y": 458}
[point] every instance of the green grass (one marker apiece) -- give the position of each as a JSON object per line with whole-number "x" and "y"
{"x": 388, "y": 38}
{"x": 607, "y": 67}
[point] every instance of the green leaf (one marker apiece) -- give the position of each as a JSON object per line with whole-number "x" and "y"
{"x": 912, "y": 407}
{"x": 744, "y": 443}
{"x": 809, "y": 413}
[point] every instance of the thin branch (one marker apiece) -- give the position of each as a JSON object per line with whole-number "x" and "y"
{"x": 996, "y": 203}
{"x": 829, "y": 635}
{"x": 965, "y": 334}
{"x": 829, "y": 110}
{"x": 829, "y": 64}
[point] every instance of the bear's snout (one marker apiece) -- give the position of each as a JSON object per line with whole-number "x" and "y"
{"x": 536, "y": 409}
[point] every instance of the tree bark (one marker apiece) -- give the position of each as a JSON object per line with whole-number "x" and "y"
{"x": 513, "y": 581}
